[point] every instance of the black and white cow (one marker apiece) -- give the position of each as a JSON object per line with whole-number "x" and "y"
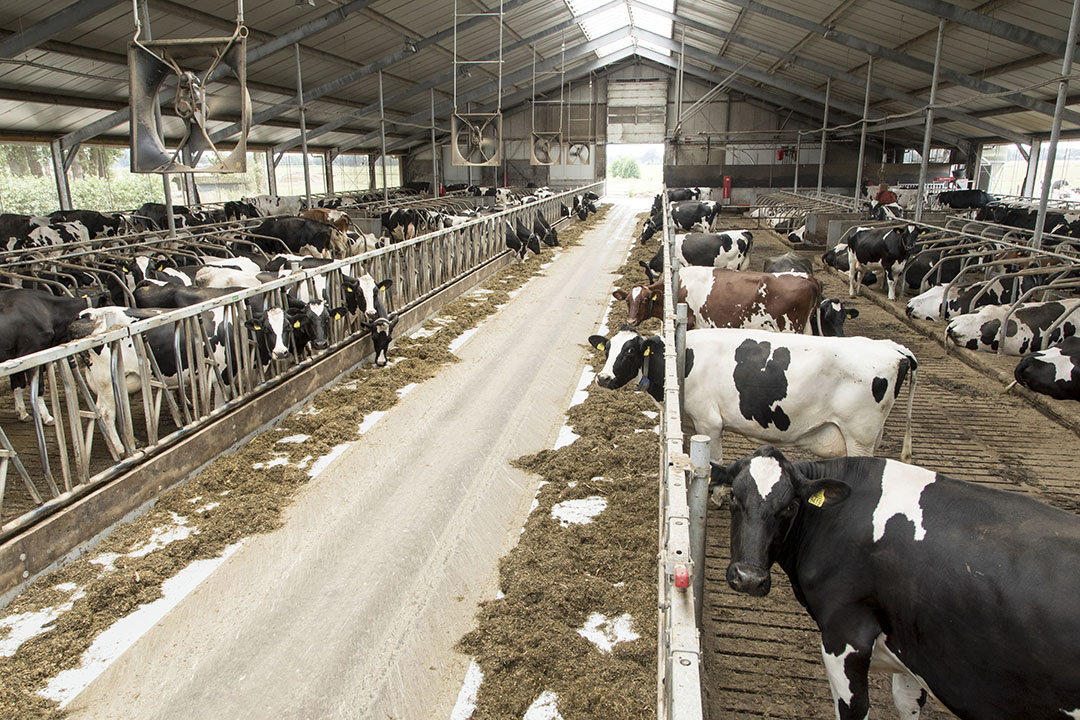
{"x": 729, "y": 249}
{"x": 885, "y": 211}
{"x": 1026, "y": 331}
{"x": 928, "y": 305}
{"x": 238, "y": 209}
{"x": 768, "y": 386}
{"x": 888, "y": 248}
{"x": 837, "y": 258}
{"x": 276, "y": 204}
{"x": 547, "y": 234}
{"x": 96, "y": 224}
{"x": 788, "y": 262}
{"x": 1054, "y": 371}
{"x": 300, "y": 236}
{"x": 155, "y": 216}
{"x": 33, "y": 320}
{"x": 677, "y": 194}
{"x": 381, "y": 328}
{"x": 401, "y": 223}
{"x": 957, "y": 589}
{"x": 828, "y": 320}
{"x": 688, "y": 213}
{"x": 965, "y": 199}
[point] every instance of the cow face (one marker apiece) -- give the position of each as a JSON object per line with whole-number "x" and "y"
{"x": 627, "y": 355}
{"x": 312, "y": 324}
{"x": 273, "y": 334}
{"x": 382, "y": 332}
{"x": 650, "y": 229}
{"x": 767, "y": 495}
{"x": 368, "y": 290}
{"x": 641, "y": 303}
{"x": 828, "y": 320}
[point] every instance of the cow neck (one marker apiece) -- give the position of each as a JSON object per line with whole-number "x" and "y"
{"x": 652, "y": 370}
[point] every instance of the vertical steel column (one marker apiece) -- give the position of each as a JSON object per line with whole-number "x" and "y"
{"x": 63, "y": 188}
{"x": 166, "y": 185}
{"x": 925, "y": 159}
{"x": 303, "y": 125}
{"x": 698, "y": 498}
{"x": 382, "y": 139}
{"x": 824, "y": 135}
{"x": 798, "y": 148}
{"x": 1032, "y": 168}
{"x": 1055, "y": 129}
{"x": 679, "y": 84}
{"x": 434, "y": 151}
{"x": 862, "y": 132}
{"x": 271, "y": 172}
{"x": 328, "y": 171}
{"x": 191, "y": 193}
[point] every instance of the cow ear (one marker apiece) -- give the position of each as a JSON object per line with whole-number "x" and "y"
{"x": 393, "y": 321}
{"x": 619, "y": 295}
{"x": 385, "y": 285}
{"x": 723, "y": 474}
{"x": 850, "y": 313}
{"x": 598, "y": 341}
{"x": 340, "y": 312}
{"x": 826, "y": 491}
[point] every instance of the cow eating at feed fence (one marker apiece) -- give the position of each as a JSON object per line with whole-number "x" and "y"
{"x": 963, "y": 591}
{"x": 830, "y": 396}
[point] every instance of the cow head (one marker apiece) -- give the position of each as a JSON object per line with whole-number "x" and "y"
{"x": 382, "y": 332}
{"x": 368, "y": 291}
{"x": 273, "y": 333}
{"x": 651, "y": 228}
{"x": 630, "y": 357}
{"x": 767, "y": 496}
{"x": 641, "y": 303}
{"x": 828, "y": 320}
{"x": 310, "y": 322}
{"x": 563, "y": 210}
{"x": 653, "y": 275}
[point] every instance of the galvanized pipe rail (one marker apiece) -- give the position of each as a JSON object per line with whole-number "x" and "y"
{"x": 208, "y": 390}
{"x": 683, "y": 487}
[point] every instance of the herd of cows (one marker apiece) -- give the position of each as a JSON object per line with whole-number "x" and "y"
{"x": 960, "y": 591}
{"x": 108, "y": 285}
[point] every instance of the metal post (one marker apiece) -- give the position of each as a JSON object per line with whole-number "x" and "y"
{"x": 303, "y": 125}
{"x": 824, "y": 124}
{"x": 925, "y": 159}
{"x": 1055, "y": 129}
{"x": 382, "y": 139}
{"x": 1032, "y": 168}
{"x": 434, "y": 151}
{"x": 145, "y": 11}
{"x": 371, "y": 171}
{"x": 191, "y": 194}
{"x": 798, "y": 147}
{"x": 328, "y": 171}
{"x": 271, "y": 173}
{"x": 679, "y": 83}
{"x": 680, "y": 339}
{"x": 698, "y": 498}
{"x": 63, "y": 189}
{"x": 862, "y": 132}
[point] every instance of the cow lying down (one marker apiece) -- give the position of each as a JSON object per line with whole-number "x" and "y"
{"x": 1026, "y": 332}
{"x": 830, "y": 396}
{"x": 960, "y": 590}
{"x": 1054, "y": 371}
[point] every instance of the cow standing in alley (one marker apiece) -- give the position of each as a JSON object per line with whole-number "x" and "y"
{"x": 959, "y": 590}
{"x": 888, "y": 248}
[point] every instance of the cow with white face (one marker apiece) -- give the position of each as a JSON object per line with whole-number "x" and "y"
{"x": 1028, "y": 329}
{"x": 768, "y": 386}
{"x": 957, "y": 589}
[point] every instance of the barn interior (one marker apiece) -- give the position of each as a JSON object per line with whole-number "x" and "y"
{"x": 789, "y": 115}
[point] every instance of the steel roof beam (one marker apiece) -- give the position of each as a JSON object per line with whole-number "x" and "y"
{"x": 444, "y": 77}
{"x": 264, "y": 50}
{"x": 991, "y": 26}
{"x": 481, "y": 92}
{"x": 358, "y": 74}
{"x": 837, "y": 74}
{"x": 56, "y": 23}
{"x": 909, "y": 61}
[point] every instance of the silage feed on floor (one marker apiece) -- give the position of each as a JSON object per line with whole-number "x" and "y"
{"x": 529, "y": 641}
{"x": 231, "y": 498}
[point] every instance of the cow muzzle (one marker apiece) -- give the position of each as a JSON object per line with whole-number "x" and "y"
{"x": 604, "y": 381}
{"x": 748, "y": 579}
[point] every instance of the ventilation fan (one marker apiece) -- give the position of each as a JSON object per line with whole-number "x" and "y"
{"x": 545, "y": 148}
{"x": 178, "y": 73}
{"x": 477, "y": 138}
{"x": 577, "y": 154}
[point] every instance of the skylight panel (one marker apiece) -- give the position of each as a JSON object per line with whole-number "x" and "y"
{"x": 621, "y": 16}
{"x": 614, "y": 47}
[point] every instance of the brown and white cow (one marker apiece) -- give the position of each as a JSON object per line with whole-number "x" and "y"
{"x": 716, "y": 297}
{"x": 337, "y": 218}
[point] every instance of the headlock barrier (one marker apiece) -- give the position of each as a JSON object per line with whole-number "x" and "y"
{"x": 147, "y": 408}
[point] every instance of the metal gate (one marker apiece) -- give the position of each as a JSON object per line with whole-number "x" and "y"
{"x": 637, "y": 111}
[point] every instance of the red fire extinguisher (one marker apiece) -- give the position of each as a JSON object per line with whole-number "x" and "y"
{"x": 727, "y": 187}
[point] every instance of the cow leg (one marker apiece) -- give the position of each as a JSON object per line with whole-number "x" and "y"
{"x": 43, "y": 409}
{"x": 18, "y": 390}
{"x": 908, "y": 696}
{"x": 854, "y": 276}
{"x": 892, "y": 278}
{"x": 847, "y": 667}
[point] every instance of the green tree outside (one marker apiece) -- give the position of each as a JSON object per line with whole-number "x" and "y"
{"x": 626, "y": 167}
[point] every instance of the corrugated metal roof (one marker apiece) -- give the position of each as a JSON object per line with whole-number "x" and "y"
{"x": 90, "y": 65}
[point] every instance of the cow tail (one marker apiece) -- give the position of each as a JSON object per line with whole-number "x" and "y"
{"x": 905, "y": 451}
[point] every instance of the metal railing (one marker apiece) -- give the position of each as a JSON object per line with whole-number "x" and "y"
{"x": 787, "y": 205}
{"x": 684, "y": 482}
{"x": 147, "y": 410}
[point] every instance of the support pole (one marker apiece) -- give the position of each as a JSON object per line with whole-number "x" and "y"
{"x": 679, "y": 85}
{"x": 382, "y": 139}
{"x": 63, "y": 188}
{"x": 271, "y": 173}
{"x": 798, "y": 149}
{"x": 371, "y": 171}
{"x": 1055, "y": 129}
{"x": 862, "y": 132}
{"x": 924, "y": 161}
{"x": 1032, "y": 168}
{"x": 166, "y": 185}
{"x": 824, "y": 135}
{"x": 303, "y": 125}
{"x": 328, "y": 171}
{"x": 698, "y": 498}
{"x": 434, "y": 151}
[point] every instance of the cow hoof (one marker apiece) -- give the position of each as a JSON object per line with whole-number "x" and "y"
{"x": 24, "y": 417}
{"x": 50, "y": 421}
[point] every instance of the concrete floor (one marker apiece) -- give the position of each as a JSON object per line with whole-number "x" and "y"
{"x": 353, "y": 608}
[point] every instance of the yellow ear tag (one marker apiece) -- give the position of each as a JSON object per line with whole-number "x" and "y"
{"x": 348, "y": 289}
{"x": 296, "y": 324}
{"x": 256, "y": 327}
{"x": 655, "y": 297}
{"x": 127, "y": 270}
{"x": 817, "y": 499}
{"x": 337, "y": 316}
{"x": 646, "y": 352}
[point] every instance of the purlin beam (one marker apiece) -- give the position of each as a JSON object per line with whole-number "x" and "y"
{"x": 837, "y": 74}
{"x": 56, "y": 23}
{"x": 264, "y": 50}
{"x": 886, "y": 53}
